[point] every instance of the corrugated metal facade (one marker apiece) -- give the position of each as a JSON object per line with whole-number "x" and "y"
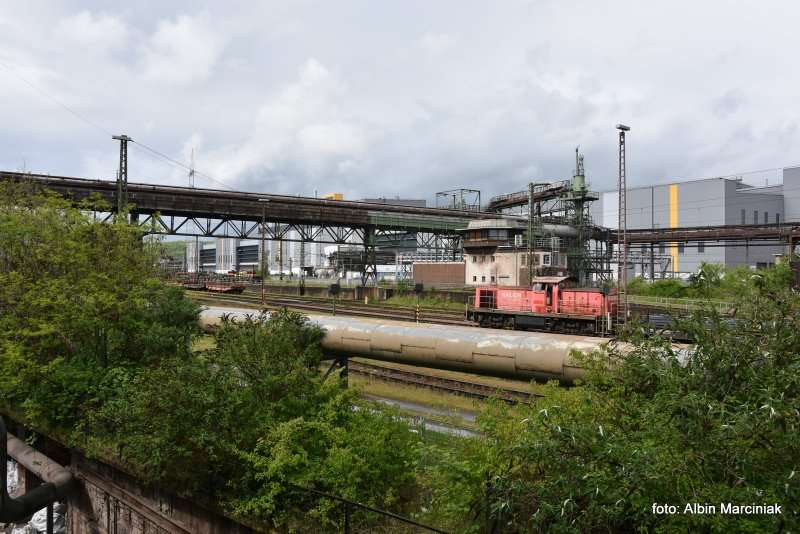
{"x": 714, "y": 201}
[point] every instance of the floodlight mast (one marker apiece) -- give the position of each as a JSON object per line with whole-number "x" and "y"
{"x": 622, "y": 234}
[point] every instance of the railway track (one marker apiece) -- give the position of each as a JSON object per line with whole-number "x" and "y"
{"x": 427, "y": 315}
{"x": 437, "y": 383}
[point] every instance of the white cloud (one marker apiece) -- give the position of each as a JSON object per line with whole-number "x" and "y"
{"x": 436, "y": 43}
{"x": 95, "y": 33}
{"x": 300, "y": 135}
{"x": 409, "y": 98}
{"x": 182, "y": 50}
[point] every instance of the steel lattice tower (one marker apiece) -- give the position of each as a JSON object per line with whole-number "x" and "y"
{"x": 122, "y": 176}
{"x": 622, "y": 237}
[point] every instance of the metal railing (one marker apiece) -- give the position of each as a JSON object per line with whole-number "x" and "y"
{"x": 680, "y": 304}
{"x": 58, "y": 481}
{"x": 349, "y": 506}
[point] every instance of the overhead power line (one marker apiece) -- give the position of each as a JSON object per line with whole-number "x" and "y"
{"x": 180, "y": 164}
{"x": 43, "y": 93}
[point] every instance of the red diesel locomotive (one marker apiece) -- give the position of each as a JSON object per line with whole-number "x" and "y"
{"x": 550, "y": 304}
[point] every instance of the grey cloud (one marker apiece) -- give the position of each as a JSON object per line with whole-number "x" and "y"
{"x": 727, "y": 104}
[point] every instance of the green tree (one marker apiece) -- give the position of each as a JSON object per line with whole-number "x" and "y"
{"x": 253, "y": 419}
{"x": 706, "y": 281}
{"x": 715, "y": 422}
{"x": 94, "y": 349}
{"x": 78, "y": 300}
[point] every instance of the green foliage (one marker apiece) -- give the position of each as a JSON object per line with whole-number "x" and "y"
{"x": 95, "y": 349}
{"x": 711, "y": 281}
{"x": 706, "y": 281}
{"x": 78, "y": 299}
{"x": 653, "y": 424}
{"x": 347, "y": 448}
{"x": 247, "y": 421}
{"x": 670, "y": 288}
{"x": 403, "y": 286}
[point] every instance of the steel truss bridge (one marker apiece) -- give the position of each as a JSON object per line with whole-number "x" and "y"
{"x": 185, "y": 211}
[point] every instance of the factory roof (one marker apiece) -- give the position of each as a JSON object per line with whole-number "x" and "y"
{"x": 549, "y": 279}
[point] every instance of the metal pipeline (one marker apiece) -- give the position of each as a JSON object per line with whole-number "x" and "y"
{"x": 58, "y": 481}
{"x": 562, "y": 230}
{"x": 477, "y": 350}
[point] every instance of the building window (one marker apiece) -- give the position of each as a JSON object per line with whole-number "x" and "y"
{"x": 744, "y": 216}
{"x": 546, "y": 259}
{"x": 474, "y": 278}
{"x": 661, "y": 248}
{"x": 681, "y": 247}
{"x": 766, "y": 217}
{"x": 755, "y": 216}
{"x": 483, "y": 278}
{"x": 483, "y": 258}
{"x": 701, "y": 247}
{"x": 492, "y": 278}
{"x": 492, "y": 258}
{"x": 473, "y": 259}
{"x": 777, "y": 218}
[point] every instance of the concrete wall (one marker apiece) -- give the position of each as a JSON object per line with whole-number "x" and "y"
{"x": 226, "y": 254}
{"x": 497, "y": 268}
{"x": 450, "y": 272}
{"x": 507, "y": 268}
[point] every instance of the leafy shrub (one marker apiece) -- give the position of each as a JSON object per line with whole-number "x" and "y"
{"x": 654, "y": 424}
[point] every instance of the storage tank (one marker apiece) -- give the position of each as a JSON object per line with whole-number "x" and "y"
{"x": 486, "y": 351}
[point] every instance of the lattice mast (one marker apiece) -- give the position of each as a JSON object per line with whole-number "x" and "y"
{"x": 622, "y": 231}
{"x": 122, "y": 174}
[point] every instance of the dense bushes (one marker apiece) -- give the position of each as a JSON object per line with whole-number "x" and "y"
{"x": 95, "y": 350}
{"x": 711, "y": 281}
{"x": 653, "y": 425}
{"x": 78, "y": 303}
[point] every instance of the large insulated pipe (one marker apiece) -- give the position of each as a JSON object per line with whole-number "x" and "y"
{"x": 57, "y": 479}
{"x": 562, "y": 230}
{"x": 476, "y": 350}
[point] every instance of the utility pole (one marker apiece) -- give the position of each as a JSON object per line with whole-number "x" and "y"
{"x": 280, "y": 255}
{"x": 191, "y": 170}
{"x": 622, "y": 233}
{"x": 122, "y": 175}
{"x": 264, "y": 255}
{"x": 196, "y": 238}
{"x": 302, "y": 256}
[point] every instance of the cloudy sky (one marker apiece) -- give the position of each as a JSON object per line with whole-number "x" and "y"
{"x": 385, "y": 98}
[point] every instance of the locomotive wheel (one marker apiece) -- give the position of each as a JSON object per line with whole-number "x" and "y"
{"x": 510, "y": 323}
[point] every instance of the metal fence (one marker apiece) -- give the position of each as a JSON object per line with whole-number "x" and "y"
{"x": 678, "y": 304}
{"x": 356, "y": 516}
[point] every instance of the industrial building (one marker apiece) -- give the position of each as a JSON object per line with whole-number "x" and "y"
{"x": 570, "y": 232}
{"x": 705, "y": 202}
{"x": 495, "y": 253}
{"x": 295, "y": 257}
